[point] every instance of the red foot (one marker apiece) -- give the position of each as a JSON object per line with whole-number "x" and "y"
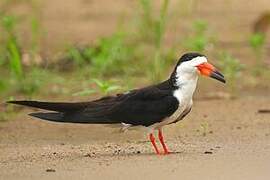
{"x": 161, "y": 139}
{"x": 152, "y": 139}
{"x": 166, "y": 153}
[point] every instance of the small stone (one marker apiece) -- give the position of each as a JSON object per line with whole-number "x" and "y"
{"x": 208, "y": 152}
{"x": 50, "y": 170}
{"x": 90, "y": 154}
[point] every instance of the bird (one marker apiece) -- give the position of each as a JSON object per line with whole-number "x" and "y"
{"x": 152, "y": 107}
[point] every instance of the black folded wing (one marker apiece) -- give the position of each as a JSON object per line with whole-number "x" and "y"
{"x": 145, "y": 107}
{"x": 138, "y": 107}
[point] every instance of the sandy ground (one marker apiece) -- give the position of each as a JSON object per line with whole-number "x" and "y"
{"x": 220, "y": 139}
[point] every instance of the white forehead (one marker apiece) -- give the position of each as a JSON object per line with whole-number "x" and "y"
{"x": 187, "y": 68}
{"x": 195, "y": 61}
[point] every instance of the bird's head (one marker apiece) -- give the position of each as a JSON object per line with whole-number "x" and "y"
{"x": 192, "y": 64}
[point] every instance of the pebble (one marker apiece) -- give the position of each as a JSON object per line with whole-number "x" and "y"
{"x": 50, "y": 170}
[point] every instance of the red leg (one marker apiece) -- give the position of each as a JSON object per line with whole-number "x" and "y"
{"x": 152, "y": 139}
{"x": 161, "y": 139}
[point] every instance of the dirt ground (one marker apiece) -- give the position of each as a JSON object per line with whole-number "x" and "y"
{"x": 220, "y": 139}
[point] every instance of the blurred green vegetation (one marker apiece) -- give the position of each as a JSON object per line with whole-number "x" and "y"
{"x": 152, "y": 29}
{"x": 257, "y": 43}
{"x": 11, "y": 50}
{"x": 104, "y": 87}
{"x": 16, "y": 77}
{"x": 199, "y": 39}
{"x": 115, "y": 62}
{"x": 231, "y": 69}
{"x": 109, "y": 56}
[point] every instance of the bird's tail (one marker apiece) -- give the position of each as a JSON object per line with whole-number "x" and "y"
{"x": 50, "y": 116}
{"x": 52, "y": 106}
{"x": 70, "y": 112}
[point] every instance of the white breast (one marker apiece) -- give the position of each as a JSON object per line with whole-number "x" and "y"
{"x": 185, "y": 102}
{"x": 186, "y": 78}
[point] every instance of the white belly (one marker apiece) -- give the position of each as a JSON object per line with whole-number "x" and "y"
{"x": 186, "y": 81}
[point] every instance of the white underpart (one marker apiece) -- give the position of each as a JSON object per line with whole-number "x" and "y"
{"x": 186, "y": 81}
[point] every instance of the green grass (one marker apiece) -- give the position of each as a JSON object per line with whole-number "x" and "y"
{"x": 101, "y": 87}
{"x": 36, "y": 35}
{"x": 152, "y": 30}
{"x": 159, "y": 34}
{"x": 11, "y": 49}
{"x": 18, "y": 78}
{"x": 105, "y": 87}
{"x": 109, "y": 56}
{"x": 121, "y": 53}
{"x": 112, "y": 54}
{"x": 199, "y": 39}
{"x": 146, "y": 20}
{"x": 232, "y": 70}
{"x": 257, "y": 43}
{"x": 204, "y": 128}
{"x": 79, "y": 56}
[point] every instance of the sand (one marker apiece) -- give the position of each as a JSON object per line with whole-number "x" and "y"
{"x": 220, "y": 139}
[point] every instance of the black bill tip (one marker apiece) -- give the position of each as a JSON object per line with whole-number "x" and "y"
{"x": 218, "y": 76}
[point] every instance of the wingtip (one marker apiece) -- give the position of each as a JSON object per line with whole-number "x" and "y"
{"x": 37, "y": 114}
{"x": 11, "y": 102}
{"x": 33, "y": 114}
{"x": 49, "y": 116}
{"x": 15, "y": 102}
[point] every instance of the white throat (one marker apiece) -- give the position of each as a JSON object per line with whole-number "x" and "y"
{"x": 185, "y": 88}
{"x": 186, "y": 78}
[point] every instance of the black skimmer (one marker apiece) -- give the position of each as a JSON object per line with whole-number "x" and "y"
{"x": 152, "y": 107}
